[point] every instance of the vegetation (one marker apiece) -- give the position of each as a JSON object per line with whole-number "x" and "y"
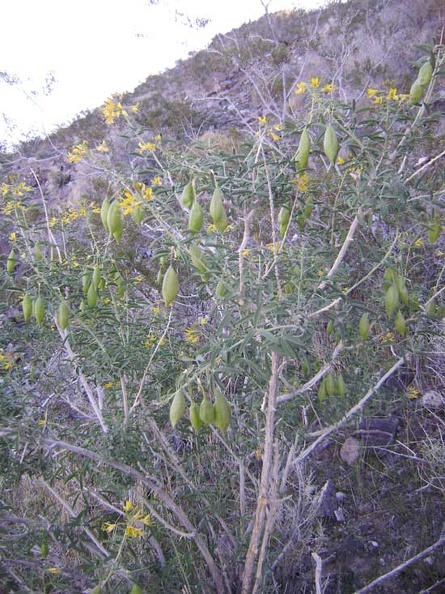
{"x": 190, "y": 349}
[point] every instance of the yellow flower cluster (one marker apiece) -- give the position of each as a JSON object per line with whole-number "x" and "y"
{"x": 378, "y": 97}
{"x": 18, "y": 190}
{"x": 112, "y": 110}
{"x": 302, "y": 87}
{"x": 135, "y": 521}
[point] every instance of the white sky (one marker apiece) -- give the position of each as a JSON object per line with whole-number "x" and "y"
{"x": 94, "y": 48}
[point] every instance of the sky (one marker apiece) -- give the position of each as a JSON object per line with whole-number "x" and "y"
{"x": 67, "y": 57}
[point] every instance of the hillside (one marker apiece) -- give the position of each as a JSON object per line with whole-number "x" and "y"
{"x": 222, "y": 305}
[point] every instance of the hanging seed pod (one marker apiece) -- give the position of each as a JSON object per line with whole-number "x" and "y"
{"x": 199, "y": 262}
{"x": 308, "y": 207}
{"x": 340, "y": 386}
{"x": 26, "y": 306}
{"x": 321, "y": 394}
{"x": 195, "y": 419}
{"x": 390, "y": 275}
{"x": 363, "y": 327}
{"x": 195, "y": 218}
{"x": 283, "y": 219}
{"x": 391, "y": 300}
{"x": 330, "y": 384}
{"x": 434, "y": 230}
{"x": 402, "y": 290}
{"x": 92, "y": 296}
{"x": 138, "y": 213}
{"x": 400, "y": 323}
{"x": 217, "y": 210}
{"x": 177, "y": 408}
{"x": 222, "y": 412}
{"x": 104, "y": 213}
{"x": 170, "y": 286}
{"x": 86, "y": 281}
{"x": 63, "y": 315}
{"x": 330, "y": 328}
{"x": 39, "y": 310}
{"x": 431, "y": 308}
{"x": 416, "y": 93}
{"x": 117, "y": 233}
{"x": 136, "y": 589}
{"x": 11, "y": 262}
{"x": 113, "y": 217}
{"x": 425, "y": 74}
{"x": 96, "y": 277}
{"x": 304, "y": 147}
{"x": 38, "y": 253}
{"x": 206, "y": 412}
{"x": 221, "y": 289}
{"x": 188, "y": 195}
{"x": 330, "y": 144}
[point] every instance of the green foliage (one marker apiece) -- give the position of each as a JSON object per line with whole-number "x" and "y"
{"x": 126, "y": 489}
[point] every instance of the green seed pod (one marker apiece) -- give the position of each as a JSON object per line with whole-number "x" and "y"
{"x": 206, "y": 412}
{"x": 363, "y": 327}
{"x": 400, "y": 323}
{"x": 330, "y": 144}
{"x": 217, "y": 210}
{"x": 11, "y": 262}
{"x": 222, "y": 412}
{"x": 63, "y": 315}
{"x": 321, "y": 394}
{"x": 391, "y": 300}
{"x": 96, "y": 590}
{"x": 136, "y": 589}
{"x": 188, "y": 195}
{"x": 416, "y": 93}
{"x": 330, "y": 384}
{"x": 104, "y": 213}
{"x": 431, "y": 309}
{"x": 195, "y": 419}
{"x": 304, "y": 147}
{"x": 402, "y": 290}
{"x": 305, "y": 366}
{"x": 177, "y": 408}
{"x": 39, "y": 310}
{"x": 26, "y": 306}
{"x": 308, "y": 207}
{"x": 138, "y": 213}
{"x": 330, "y": 328}
{"x": 198, "y": 259}
{"x": 92, "y": 296}
{"x": 170, "y": 286}
{"x": 340, "y": 387}
{"x": 283, "y": 219}
{"x": 195, "y": 218}
{"x": 434, "y": 230}
{"x": 119, "y": 229}
{"x": 390, "y": 275}
{"x": 221, "y": 290}
{"x": 425, "y": 74}
{"x": 97, "y": 275}
{"x": 44, "y": 546}
{"x": 113, "y": 216}
{"x": 38, "y": 253}
{"x": 86, "y": 281}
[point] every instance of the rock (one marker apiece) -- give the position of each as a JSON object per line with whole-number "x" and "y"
{"x": 350, "y": 450}
{"x": 378, "y": 432}
{"x": 433, "y": 399}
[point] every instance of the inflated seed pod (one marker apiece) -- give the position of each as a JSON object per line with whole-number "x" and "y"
{"x": 425, "y": 74}
{"x": 177, "y": 408}
{"x": 206, "y": 412}
{"x": 402, "y": 290}
{"x": 283, "y": 219}
{"x": 63, "y": 315}
{"x": 221, "y": 290}
{"x": 340, "y": 386}
{"x": 104, "y": 213}
{"x": 136, "y": 589}
{"x": 222, "y": 413}
{"x": 97, "y": 275}
{"x": 38, "y": 253}
{"x": 11, "y": 262}
{"x": 400, "y": 323}
{"x": 92, "y": 296}
{"x": 416, "y": 93}
{"x": 308, "y": 207}
{"x": 113, "y": 217}
{"x": 217, "y": 210}
{"x": 188, "y": 195}
{"x": 198, "y": 259}
{"x": 304, "y": 147}
{"x": 321, "y": 393}
{"x": 363, "y": 327}
{"x": 195, "y": 217}
{"x": 330, "y": 144}
{"x": 195, "y": 419}
{"x": 330, "y": 384}
{"x": 434, "y": 230}
{"x": 26, "y": 306}
{"x": 170, "y": 286}
{"x": 117, "y": 233}
{"x": 391, "y": 300}
{"x": 138, "y": 213}
{"x": 86, "y": 281}
{"x": 39, "y": 310}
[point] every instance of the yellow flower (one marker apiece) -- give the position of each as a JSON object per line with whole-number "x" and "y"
{"x": 274, "y": 247}
{"x": 157, "y": 181}
{"x": 192, "y": 335}
{"x": 128, "y": 203}
{"x": 302, "y": 182}
{"x": 392, "y": 95}
{"x": 262, "y": 120}
{"x": 128, "y": 506}
{"x": 301, "y": 88}
{"x": 41, "y": 422}
{"x": 135, "y": 108}
{"x": 158, "y": 137}
{"x": 103, "y": 148}
{"x": 78, "y": 152}
{"x": 4, "y": 190}
{"x": 146, "y": 146}
{"x": 328, "y": 88}
{"x": 133, "y": 532}
{"x": 412, "y": 393}
{"x": 20, "y": 189}
{"x": 315, "y": 82}
{"x": 112, "y": 110}
{"x": 372, "y": 92}
{"x": 109, "y": 527}
{"x": 388, "y": 337}
{"x": 275, "y": 137}
{"x": 108, "y": 385}
{"x": 377, "y": 100}
{"x": 340, "y": 160}
{"x": 419, "y": 242}
{"x": 54, "y": 570}
{"x": 13, "y": 236}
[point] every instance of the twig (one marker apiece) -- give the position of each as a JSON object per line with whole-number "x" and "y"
{"x": 318, "y": 570}
{"x": 425, "y": 165}
{"x": 404, "y": 565}
{"x": 342, "y": 252}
